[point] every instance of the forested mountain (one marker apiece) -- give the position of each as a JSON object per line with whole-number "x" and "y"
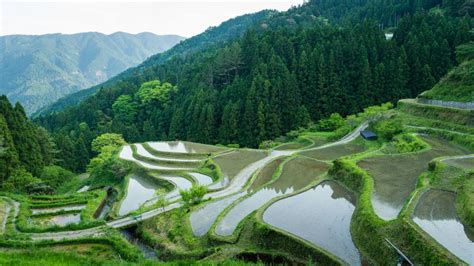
{"x": 37, "y": 70}
{"x": 289, "y": 69}
{"x": 230, "y": 29}
{"x": 458, "y": 84}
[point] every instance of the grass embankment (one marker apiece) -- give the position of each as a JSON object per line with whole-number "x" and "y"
{"x": 453, "y": 115}
{"x": 111, "y": 241}
{"x": 92, "y": 200}
{"x": 369, "y": 231}
{"x": 457, "y": 85}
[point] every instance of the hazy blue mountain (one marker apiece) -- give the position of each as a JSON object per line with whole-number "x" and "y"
{"x": 36, "y": 70}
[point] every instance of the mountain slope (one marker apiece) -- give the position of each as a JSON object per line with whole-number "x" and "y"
{"x": 37, "y": 70}
{"x": 288, "y": 69}
{"x": 228, "y": 30}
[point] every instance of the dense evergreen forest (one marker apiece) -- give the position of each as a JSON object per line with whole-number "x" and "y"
{"x": 27, "y": 154}
{"x": 286, "y": 71}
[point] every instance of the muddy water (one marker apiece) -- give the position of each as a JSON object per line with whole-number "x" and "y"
{"x": 203, "y": 218}
{"x": 139, "y": 191}
{"x": 395, "y": 176}
{"x": 322, "y": 216}
{"x": 436, "y": 214}
{"x": 290, "y": 180}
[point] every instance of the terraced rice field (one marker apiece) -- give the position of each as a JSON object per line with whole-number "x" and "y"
{"x": 395, "y": 176}
{"x": 265, "y": 175}
{"x": 57, "y": 209}
{"x": 297, "y": 174}
{"x": 334, "y": 152}
{"x": 127, "y": 154}
{"x": 4, "y": 210}
{"x": 232, "y": 163}
{"x": 139, "y": 191}
{"x": 436, "y": 214}
{"x": 465, "y": 163}
{"x": 59, "y": 220}
{"x": 203, "y": 218}
{"x": 321, "y": 216}
{"x": 184, "y": 147}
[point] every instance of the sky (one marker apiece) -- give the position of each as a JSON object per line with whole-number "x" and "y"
{"x": 183, "y": 17}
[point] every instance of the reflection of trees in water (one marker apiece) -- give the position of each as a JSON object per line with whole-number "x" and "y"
{"x": 339, "y": 191}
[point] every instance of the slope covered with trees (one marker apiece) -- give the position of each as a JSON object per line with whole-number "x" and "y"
{"x": 274, "y": 79}
{"x": 37, "y": 70}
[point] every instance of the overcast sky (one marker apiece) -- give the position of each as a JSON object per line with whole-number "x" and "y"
{"x": 186, "y": 17}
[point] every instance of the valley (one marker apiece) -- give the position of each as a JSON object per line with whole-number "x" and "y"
{"x": 328, "y": 133}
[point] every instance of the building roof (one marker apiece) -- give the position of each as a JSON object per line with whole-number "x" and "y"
{"x": 367, "y": 134}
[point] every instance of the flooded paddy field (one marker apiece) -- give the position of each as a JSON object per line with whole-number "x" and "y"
{"x": 140, "y": 189}
{"x": 77, "y": 207}
{"x": 59, "y": 220}
{"x": 321, "y": 216}
{"x": 232, "y": 163}
{"x": 395, "y": 176}
{"x": 436, "y": 214}
{"x": 184, "y": 147}
{"x": 297, "y": 174}
{"x": 334, "y": 152}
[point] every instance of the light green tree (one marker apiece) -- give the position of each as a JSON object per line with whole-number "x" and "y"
{"x": 107, "y": 139}
{"x": 194, "y": 195}
{"x": 154, "y": 90}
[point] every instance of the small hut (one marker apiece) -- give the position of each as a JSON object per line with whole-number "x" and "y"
{"x": 368, "y": 135}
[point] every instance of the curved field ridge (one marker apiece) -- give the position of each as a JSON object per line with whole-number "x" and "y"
{"x": 127, "y": 154}
{"x": 436, "y": 214}
{"x": 321, "y": 216}
{"x": 395, "y": 176}
{"x": 145, "y": 153}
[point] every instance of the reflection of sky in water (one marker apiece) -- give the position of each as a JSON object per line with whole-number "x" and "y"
{"x": 138, "y": 192}
{"x": 220, "y": 184}
{"x": 321, "y": 215}
{"x": 384, "y": 209}
{"x": 203, "y": 218}
{"x": 143, "y": 152}
{"x": 436, "y": 215}
{"x": 203, "y": 180}
{"x": 127, "y": 154}
{"x": 172, "y": 146}
{"x": 232, "y": 219}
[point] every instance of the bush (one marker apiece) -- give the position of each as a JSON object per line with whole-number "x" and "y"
{"x": 20, "y": 180}
{"x": 388, "y": 128}
{"x": 194, "y": 195}
{"x": 55, "y": 176}
{"x": 268, "y": 144}
{"x": 334, "y": 122}
{"x": 408, "y": 143}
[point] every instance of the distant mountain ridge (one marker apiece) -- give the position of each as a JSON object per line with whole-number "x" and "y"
{"x": 39, "y": 69}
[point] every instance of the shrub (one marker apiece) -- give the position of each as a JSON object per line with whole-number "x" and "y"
{"x": 333, "y": 122}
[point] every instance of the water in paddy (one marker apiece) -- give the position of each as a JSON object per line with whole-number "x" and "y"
{"x": 181, "y": 184}
{"x": 127, "y": 154}
{"x": 183, "y": 147}
{"x": 336, "y": 151}
{"x": 60, "y": 220}
{"x": 203, "y": 218}
{"x": 322, "y": 216}
{"x": 290, "y": 180}
{"x": 139, "y": 191}
{"x": 436, "y": 214}
{"x": 395, "y": 176}
{"x": 203, "y": 180}
{"x": 143, "y": 152}
{"x": 83, "y": 189}
{"x": 57, "y": 209}
{"x": 220, "y": 184}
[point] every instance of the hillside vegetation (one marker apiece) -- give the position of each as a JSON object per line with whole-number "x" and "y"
{"x": 458, "y": 84}
{"x": 38, "y": 70}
